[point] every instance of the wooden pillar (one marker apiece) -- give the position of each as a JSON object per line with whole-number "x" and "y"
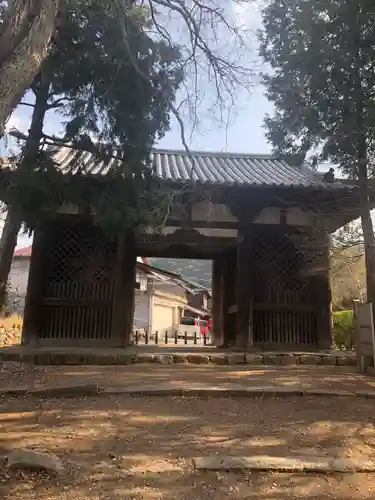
{"x": 217, "y": 301}
{"x": 118, "y": 317}
{"x": 124, "y": 293}
{"x": 244, "y": 334}
{"x": 33, "y": 313}
{"x": 323, "y": 297}
{"x": 229, "y": 298}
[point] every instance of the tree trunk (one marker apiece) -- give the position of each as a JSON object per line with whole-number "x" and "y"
{"x": 368, "y": 231}
{"x": 13, "y": 221}
{"x": 24, "y": 41}
{"x": 8, "y": 243}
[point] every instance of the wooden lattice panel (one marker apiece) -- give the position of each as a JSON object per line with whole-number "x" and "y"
{"x": 278, "y": 261}
{"x": 81, "y": 255}
{"x": 79, "y": 286}
{"x": 283, "y": 300}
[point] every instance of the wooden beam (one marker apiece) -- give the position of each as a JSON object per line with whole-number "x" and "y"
{"x": 176, "y": 251}
{"x": 33, "y": 313}
{"x": 201, "y": 224}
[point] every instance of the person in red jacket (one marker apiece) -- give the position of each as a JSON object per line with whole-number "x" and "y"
{"x": 209, "y": 327}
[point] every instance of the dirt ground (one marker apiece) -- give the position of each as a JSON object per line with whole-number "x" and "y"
{"x": 308, "y": 377}
{"x": 140, "y": 448}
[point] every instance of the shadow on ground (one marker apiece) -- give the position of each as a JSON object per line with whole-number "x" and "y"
{"x": 140, "y": 448}
{"x": 307, "y": 377}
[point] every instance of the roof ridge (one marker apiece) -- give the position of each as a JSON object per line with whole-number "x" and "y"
{"x": 195, "y": 152}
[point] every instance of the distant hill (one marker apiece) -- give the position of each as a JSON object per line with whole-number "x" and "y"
{"x": 199, "y": 271}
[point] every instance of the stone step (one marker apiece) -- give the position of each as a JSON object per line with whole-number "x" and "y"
{"x": 266, "y": 463}
{"x": 122, "y": 357}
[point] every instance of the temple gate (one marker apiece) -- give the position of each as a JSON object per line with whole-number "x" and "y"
{"x": 263, "y": 224}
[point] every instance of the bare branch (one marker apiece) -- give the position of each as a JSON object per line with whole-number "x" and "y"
{"x": 22, "y": 103}
{"x": 213, "y": 50}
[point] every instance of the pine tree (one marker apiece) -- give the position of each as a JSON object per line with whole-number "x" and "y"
{"x": 322, "y": 56}
{"x": 114, "y": 95}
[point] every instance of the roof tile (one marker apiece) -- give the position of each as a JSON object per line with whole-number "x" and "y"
{"x": 207, "y": 168}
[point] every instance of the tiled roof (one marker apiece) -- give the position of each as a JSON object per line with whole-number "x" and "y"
{"x": 208, "y": 168}
{"x": 172, "y": 277}
{"x": 226, "y": 168}
{"x": 202, "y": 167}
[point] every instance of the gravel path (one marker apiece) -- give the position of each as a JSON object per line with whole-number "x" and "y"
{"x": 139, "y": 448}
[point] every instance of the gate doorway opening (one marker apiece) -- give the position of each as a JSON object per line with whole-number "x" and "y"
{"x": 173, "y": 301}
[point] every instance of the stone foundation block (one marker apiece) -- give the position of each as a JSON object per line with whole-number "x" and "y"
{"x": 219, "y": 360}
{"x": 181, "y": 358}
{"x": 328, "y": 360}
{"x": 289, "y": 359}
{"x": 91, "y": 359}
{"x": 272, "y": 359}
{"x": 106, "y": 359}
{"x": 10, "y": 356}
{"x": 236, "y": 359}
{"x": 345, "y": 361}
{"x": 27, "y": 357}
{"x": 309, "y": 359}
{"x": 198, "y": 359}
{"x": 163, "y": 359}
{"x": 54, "y": 358}
{"x": 125, "y": 359}
{"x": 144, "y": 358}
{"x": 72, "y": 359}
{"x": 44, "y": 358}
{"x": 254, "y": 359}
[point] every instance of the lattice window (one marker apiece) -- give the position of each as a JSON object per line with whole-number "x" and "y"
{"x": 278, "y": 264}
{"x": 81, "y": 255}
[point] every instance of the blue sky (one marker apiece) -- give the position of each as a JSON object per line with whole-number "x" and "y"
{"x": 244, "y": 133}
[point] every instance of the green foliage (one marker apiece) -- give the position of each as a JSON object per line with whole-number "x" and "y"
{"x": 322, "y": 53}
{"x": 113, "y": 85}
{"x": 114, "y": 203}
{"x": 119, "y": 88}
{"x": 343, "y": 329}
